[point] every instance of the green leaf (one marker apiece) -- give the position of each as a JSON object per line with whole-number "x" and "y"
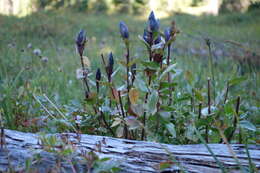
{"x": 228, "y": 131}
{"x": 164, "y": 165}
{"x": 150, "y": 65}
{"x": 141, "y": 85}
{"x": 205, "y": 113}
{"x": 120, "y": 131}
{"x": 247, "y": 125}
{"x": 116, "y": 122}
{"x": 198, "y": 95}
{"x": 132, "y": 122}
{"x": 167, "y": 108}
{"x": 137, "y": 109}
{"x": 171, "y": 128}
{"x": 189, "y": 77}
{"x": 152, "y": 102}
{"x": 229, "y": 110}
{"x": 168, "y": 69}
{"x": 104, "y": 159}
{"x": 237, "y": 80}
{"x": 190, "y": 133}
{"x": 165, "y": 115}
{"x": 164, "y": 85}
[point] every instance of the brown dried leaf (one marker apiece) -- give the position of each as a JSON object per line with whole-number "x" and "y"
{"x": 133, "y": 95}
{"x": 86, "y": 61}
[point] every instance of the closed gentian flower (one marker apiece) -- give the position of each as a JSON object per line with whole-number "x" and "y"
{"x": 98, "y": 74}
{"x": 98, "y": 78}
{"x": 153, "y": 23}
{"x": 110, "y": 66}
{"x": 80, "y": 41}
{"x": 123, "y": 30}
{"x": 110, "y": 60}
{"x": 167, "y": 34}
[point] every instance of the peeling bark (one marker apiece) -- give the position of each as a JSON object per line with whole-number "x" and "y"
{"x": 133, "y": 156}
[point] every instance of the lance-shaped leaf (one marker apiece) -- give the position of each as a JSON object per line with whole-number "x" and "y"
{"x": 171, "y": 128}
{"x": 152, "y": 102}
{"x": 132, "y": 122}
{"x": 168, "y": 69}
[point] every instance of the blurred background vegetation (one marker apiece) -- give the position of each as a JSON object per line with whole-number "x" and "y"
{"x": 25, "y": 7}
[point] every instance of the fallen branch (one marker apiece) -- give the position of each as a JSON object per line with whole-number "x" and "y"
{"x": 133, "y": 156}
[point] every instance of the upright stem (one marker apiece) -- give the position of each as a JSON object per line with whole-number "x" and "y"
{"x": 127, "y": 75}
{"x": 123, "y": 113}
{"x": 200, "y": 107}
{"x": 84, "y": 73}
{"x": 192, "y": 101}
{"x": 149, "y": 82}
{"x": 235, "y": 121}
{"x": 104, "y": 63}
{"x": 237, "y": 116}
{"x": 226, "y": 94}
{"x": 2, "y": 135}
{"x": 209, "y": 110}
{"x": 145, "y": 101}
{"x": 104, "y": 119}
{"x": 168, "y": 74}
{"x": 212, "y": 70}
{"x": 106, "y": 124}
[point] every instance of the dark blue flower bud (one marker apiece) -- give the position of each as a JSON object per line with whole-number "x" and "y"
{"x": 167, "y": 34}
{"x": 80, "y": 41}
{"x": 153, "y": 23}
{"x": 98, "y": 74}
{"x": 158, "y": 40}
{"x": 110, "y": 60}
{"x": 123, "y": 30}
{"x": 110, "y": 66}
{"x": 98, "y": 78}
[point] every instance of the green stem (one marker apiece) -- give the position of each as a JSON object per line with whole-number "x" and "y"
{"x": 168, "y": 74}
{"x": 209, "y": 111}
{"x": 127, "y": 75}
{"x": 212, "y": 70}
{"x": 123, "y": 113}
{"x": 149, "y": 82}
{"x": 84, "y": 73}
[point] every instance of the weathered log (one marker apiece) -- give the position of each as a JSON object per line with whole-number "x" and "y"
{"x": 133, "y": 156}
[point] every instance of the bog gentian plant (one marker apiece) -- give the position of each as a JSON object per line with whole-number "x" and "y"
{"x": 140, "y": 99}
{"x": 125, "y": 112}
{"x": 80, "y": 43}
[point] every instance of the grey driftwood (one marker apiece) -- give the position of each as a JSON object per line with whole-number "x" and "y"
{"x": 133, "y": 156}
